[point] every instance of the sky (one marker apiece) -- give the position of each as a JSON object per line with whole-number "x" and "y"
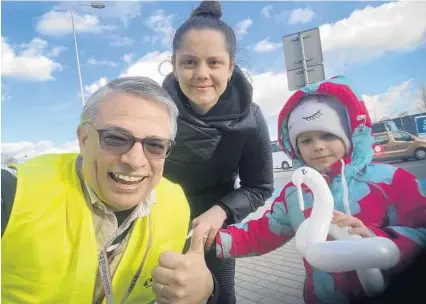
{"x": 379, "y": 46}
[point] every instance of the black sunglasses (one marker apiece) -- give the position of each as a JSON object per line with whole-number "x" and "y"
{"x": 121, "y": 141}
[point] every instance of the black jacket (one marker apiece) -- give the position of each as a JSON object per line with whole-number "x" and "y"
{"x": 213, "y": 149}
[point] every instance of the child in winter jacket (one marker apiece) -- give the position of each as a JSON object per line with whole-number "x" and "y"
{"x": 327, "y": 127}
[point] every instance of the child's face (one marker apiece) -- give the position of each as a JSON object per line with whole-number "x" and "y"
{"x": 319, "y": 149}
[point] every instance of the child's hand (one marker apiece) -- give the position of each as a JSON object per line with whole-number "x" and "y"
{"x": 357, "y": 226}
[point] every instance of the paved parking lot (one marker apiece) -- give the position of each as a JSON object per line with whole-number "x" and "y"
{"x": 276, "y": 277}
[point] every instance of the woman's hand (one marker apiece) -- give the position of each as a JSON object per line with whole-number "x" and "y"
{"x": 212, "y": 220}
{"x": 357, "y": 226}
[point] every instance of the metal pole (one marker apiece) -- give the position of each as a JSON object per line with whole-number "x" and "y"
{"x": 305, "y": 67}
{"x": 94, "y": 5}
{"x": 76, "y": 52}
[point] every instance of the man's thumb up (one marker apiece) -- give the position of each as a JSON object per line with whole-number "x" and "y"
{"x": 184, "y": 278}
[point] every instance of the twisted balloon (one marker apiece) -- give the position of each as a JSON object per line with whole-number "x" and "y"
{"x": 347, "y": 252}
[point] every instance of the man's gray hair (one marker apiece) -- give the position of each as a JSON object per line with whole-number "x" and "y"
{"x": 141, "y": 86}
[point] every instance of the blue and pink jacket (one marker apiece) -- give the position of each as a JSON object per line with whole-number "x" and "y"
{"x": 388, "y": 200}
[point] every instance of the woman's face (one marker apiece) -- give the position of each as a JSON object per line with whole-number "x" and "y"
{"x": 203, "y": 67}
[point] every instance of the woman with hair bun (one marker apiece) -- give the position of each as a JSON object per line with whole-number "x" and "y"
{"x": 221, "y": 133}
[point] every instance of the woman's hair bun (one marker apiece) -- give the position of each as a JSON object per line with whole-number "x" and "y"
{"x": 211, "y": 8}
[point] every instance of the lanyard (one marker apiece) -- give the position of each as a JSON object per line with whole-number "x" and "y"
{"x": 104, "y": 270}
{"x": 139, "y": 271}
{"x": 105, "y": 275}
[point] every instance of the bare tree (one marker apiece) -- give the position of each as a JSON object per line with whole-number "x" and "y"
{"x": 8, "y": 160}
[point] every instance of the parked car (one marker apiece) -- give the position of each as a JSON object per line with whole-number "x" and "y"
{"x": 396, "y": 145}
{"x": 280, "y": 159}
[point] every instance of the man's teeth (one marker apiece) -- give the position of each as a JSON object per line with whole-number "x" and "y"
{"x": 127, "y": 177}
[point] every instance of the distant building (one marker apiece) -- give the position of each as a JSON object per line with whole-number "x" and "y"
{"x": 405, "y": 123}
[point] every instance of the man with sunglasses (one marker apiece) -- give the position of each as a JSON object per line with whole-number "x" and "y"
{"x": 104, "y": 226}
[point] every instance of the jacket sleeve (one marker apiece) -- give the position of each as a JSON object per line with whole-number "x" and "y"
{"x": 8, "y": 190}
{"x": 256, "y": 175}
{"x": 406, "y": 216}
{"x": 257, "y": 237}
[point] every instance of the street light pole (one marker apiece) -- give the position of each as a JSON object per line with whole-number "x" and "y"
{"x": 94, "y": 5}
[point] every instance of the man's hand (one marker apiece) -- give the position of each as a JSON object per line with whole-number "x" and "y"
{"x": 184, "y": 278}
{"x": 357, "y": 226}
{"x": 212, "y": 220}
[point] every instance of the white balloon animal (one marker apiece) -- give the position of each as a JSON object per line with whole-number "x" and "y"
{"x": 347, "y": 252}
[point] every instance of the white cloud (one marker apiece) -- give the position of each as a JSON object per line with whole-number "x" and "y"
{"x": 14, "y": 148}
{"x": 90, "y": 89}
{"x": 57, "y": 50}
{"x": 128, "y": 58}
{"x": 265, "y": 45}
{"x": 370, "y": 32}
{"x": 267, "y": 11}
{"x": 241, "y": 28}
{"x": 34, "y": 47}
{"x": 118, "y": 41}
{"x": 149, "y": 66}
{"x": 93, "y": 61}
{"x": 400, "y": 98}
{"x": 55, "y": 23}
{"x": 270, "y": 92}
{"x": 301, "y": 15}
{"x": 150, "y": 39}
{"x": 161, "y": 23}
{"x": 25, "y": 150}
{"x": 373, "y": 31}
{"x": 124, "y": 11}
{"x": 282, "y": 16}
{"x": 31, "y": 63}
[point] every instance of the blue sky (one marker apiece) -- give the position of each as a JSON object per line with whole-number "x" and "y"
{"x": 380, "y": 46}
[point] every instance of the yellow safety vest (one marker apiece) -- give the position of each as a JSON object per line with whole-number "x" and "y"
{"x": 49, "y": 250}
